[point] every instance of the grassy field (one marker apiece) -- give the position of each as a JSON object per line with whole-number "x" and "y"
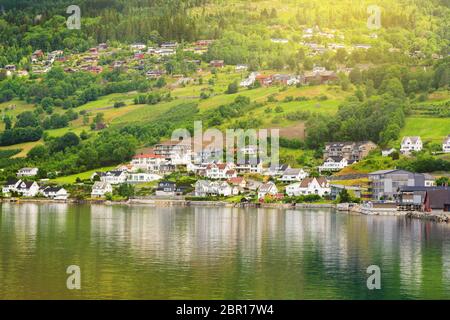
{"x": 84, "y": 175}
{"x": 429, "y": 129}
{"x": 25, "y": 147}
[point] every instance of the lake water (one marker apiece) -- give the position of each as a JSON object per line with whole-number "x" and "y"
{"x": 142, "y": 252}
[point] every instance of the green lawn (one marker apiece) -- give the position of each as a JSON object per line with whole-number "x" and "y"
{"x": 429, "y": 129}
{"x": 84, "y": 175}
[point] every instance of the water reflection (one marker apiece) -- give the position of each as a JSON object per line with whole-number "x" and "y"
{"x": 201, "y": 253}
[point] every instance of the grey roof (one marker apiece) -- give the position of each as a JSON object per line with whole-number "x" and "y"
{"x": 27, "y": 184}
{"x": 292, "y": 172}
{"x": 265, "y": 187}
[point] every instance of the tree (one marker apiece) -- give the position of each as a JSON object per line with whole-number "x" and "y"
{"x": 232, "y": 88}
{"x": 344, "y": 196}
{"x": 8, "y": 122}
{"x": 27, "y": 119}
{"x": 393, "y": 86}
{"x": 126, "y": 190}
{"x": 443, "y": 181}
{"x": 38, "y": 152}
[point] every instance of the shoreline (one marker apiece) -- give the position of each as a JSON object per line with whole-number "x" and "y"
{"x": 434, "y": 217}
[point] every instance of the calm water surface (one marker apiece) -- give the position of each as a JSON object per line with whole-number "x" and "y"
{"x": 217, "y": 253}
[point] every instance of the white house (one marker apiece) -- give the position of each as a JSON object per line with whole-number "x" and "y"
{"x": 446, "y": 144}
{"x": 410, "y": 144}
{"x": 205, "y": 188}
{"x": 250, "y": 80}
{"x": 241, "y": 67}
{"x": 112, "y": 177}
{"x": 56, "y": 193}
{"x": 143, "y": 177}
{"x": 27, "y": 172}
{"x": 334, "y": 164}
{"x": 220, "y": 171}
{"x": 148, "y": 162}
{"x": 250, "y": 166}
{"x": 319, "y": 186}
{"x": 279, "y": 40}
{"x": 100, "y": 188}
{"x": 250, "y": 150}
{"x": 268, "y": 188}
{"x": 388, "y": 152}
{"x": 28, "y": 188}
{"x": 138, "y": 46}
{"x": 293, "y": 175}
{"x": 276, "y": 170}
{"x": 11, "y": 185}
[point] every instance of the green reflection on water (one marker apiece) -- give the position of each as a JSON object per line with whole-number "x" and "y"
{"x": 142, "y": 252}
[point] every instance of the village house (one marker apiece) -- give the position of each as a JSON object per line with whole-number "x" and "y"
{"x": 253, "y": 185}
{"x": 319, "y": 75}
{"x": 238, "y": 182}
{"x": 204, "y": 188}
{"x": 355, "y": 151}
{"x": 143, "y": 177}
{"x": 279, "y": 40}
{"x": 208, "y": 155}
{"x": 277, "y": 170}
{"x": 426, "y": 199}
{"x": 155, "y": 74}
{"x": 138, "y": 46}
{"x": 250, "y": 80}
{"x": 37, "y": 55}
{"x": 203, "y": 43}
{"x": 168, "y": 188}
{"x": 286, "y": 79}
{"x": 388, "y": 152}
{"x": 335, "y": 164}
{"x": 149, "y": 162}
{"x": 446, "y": 144}
{"x": 241, "y": 67}
{"x": 362, "y": 46}
{"x": 55, "y": 193}
{"x": 162, "y": 52}
{"x": 410, "y": 144}
{"x": 264, "y": 80}
{"x": 27, "y": 172}
{"x": 171, "y": 45}
{"x": 293, "y": 175}
{"x": 250, "y": 166}
{"x": 249, "y": 150}
{"x": 267, "y": 189}
{"x": 10, "y": 67}
{"x": 11, "y": 186}
{"x": 217, "y": 64}
{"x": 27, "y": 188}
{"x": 100, "y": 189}
{"x": 179, "y": 153}
{"x": 111, "y": 177}
{"x": 319, "y": 186}
{"x": 384, "y": 184}
{"x": 220, "y": 171}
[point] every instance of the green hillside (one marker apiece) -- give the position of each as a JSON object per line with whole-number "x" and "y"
{"x": 77, "y": 95}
